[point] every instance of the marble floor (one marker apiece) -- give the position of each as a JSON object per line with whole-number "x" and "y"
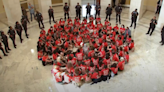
{"x": 21, "y": 71}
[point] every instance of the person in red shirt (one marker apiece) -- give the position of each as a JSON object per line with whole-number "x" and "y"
{"x": 126, "y": 56}
{"x": 126, "y": 48}
{"x": 107, "y": 60}
{"x": 106, "y": 22}
{"x": 67, "y": 28}
{"x": 72, "y": 60}
{"x": 114, "y": 69}
{"x": 91, "y": 52}
{"x": 46, "y": 59}
{"x": 69, "y": 20}
{"x": 91, "y": 26}
{"x": 92, "y": 67}
{"x": 84, "y": 21}
{"x": 91, "y": 19}
{"x": 99, "y": 25}
{"x": 83, "y": 67}
{"x": 95, "y": 60}
{"x": 121, "y": 64}
{"x": 40, "y": 54}
{"x": 62, "y": 23}
{"x": 98, "y": 19}
{"x": 77, "y": 78}
{"x": 59, "y": 77}
{"x": 131, "y": 45}
{"x": 87, "y": 77}
{"x": 56, "y": 25}
{"x": 105, "y": 73}
{"x": 121, "y": 52}
{"x": 115, "y": 57}
{"x": 79, "y": 55}
{"x": 96, "y": 77}
{"x": 67, "y": 78}
{"x": 87, "y": 61}
{"x": 116, "y": 28}
{"x": 77, "y": 23}
{"x": 122, "y": 29}
{"x": 100, "y": 66}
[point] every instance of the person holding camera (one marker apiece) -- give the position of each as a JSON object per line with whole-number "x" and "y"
{"x": 153, "y": 24}
{"x": 12, "y": 34}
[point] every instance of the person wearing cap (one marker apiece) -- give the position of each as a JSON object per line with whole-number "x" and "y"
{"x": 24, "y": 24}
{"x": 134, "y": 18}
{"x": 108, "y": 11}
{"x": 1, "y": 48}
{"x": 66, "y": 11}
{"x": 19, "y": 29}
{"x": 78, "y": 10}
{"x": 88, "y": 7}
{"x": 97, "y": 8}
{"x": 118, "y": 10}
{"x": 51, "y": 14}
{"x": 4, "y": 39}
{"x": 153, "y": 24}
{"x": 39, "y": 19}
{"x": 12, "y": 34}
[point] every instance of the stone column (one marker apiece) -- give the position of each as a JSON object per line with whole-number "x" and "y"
{"x": 104, "y": 4}
{"x": 139, "y": 5}
{"x": 161, "y": 17}
{"x": 13, "y": 11}
{"x": 73, "y": 3}
{"x": 43, "y": 7}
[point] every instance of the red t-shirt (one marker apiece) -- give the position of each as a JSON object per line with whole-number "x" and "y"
{"x": 55, "y": 56}
{"x": 115, "y": 58}
{"x": 87, "y": 62}
{"x": 92, "y": 69}
{"x": 114, "y": 70}
{"x": 105, "y": 72}
{"x": 106, "y": 61}
{"x": 95, "y": 61}
{"x": 126, "y": 48}
{"x": 44, "y": 58}
{"x": 87, "y": 78}
{"x": 131, "y": 45}
{"x": 116, "y": 27}
{"x": 121, "y": 53}
{"x": 61, "y": 23}
{"x": 121, "y": 65}
{"x": 91, "y": 53}
{"x": 77, "y": 79}
{"x": 79, "y": 56}
{"x": 127, "y": 57}
{"x": 83, "y": 67}
{"x": 96, "y": 75}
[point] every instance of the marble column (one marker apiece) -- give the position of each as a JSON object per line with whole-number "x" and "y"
{"x": 13, "y": 11}
{"x": 161, "y": 17}
{"x": 43, "y": 7}
{"x": 104, "y": 4}
{"x": 139, "y": 5}
{"x": 73, "y": 3}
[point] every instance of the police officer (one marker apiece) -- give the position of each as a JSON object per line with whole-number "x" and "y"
{"x": 24, "y": 24}
{"x": 118, "y": 10}
{"x": 159, "y": 4}
{"x": 12, "y": 34}
{"x": 66, "y": 11}
{"x": 4, "y": 39}
{"x": 162, "y": 36}
{"x": 51, "y": 14}
{"x": 134, "y": 18}
{"x": 153, "y": 23}
{"x": 88, "y": 7}
{"x": 108, "y": 11}
{"x": 24, "y": 12}
{"x": 97, "y": 8}
{"x": 1, "y": 48}
{"x": 19, "y": 29}
{"x": 78, "y": 10}
{"x": 39, "y": 18}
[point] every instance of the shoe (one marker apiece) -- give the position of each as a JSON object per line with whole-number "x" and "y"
{"x": 130, "y": 26}
{"x": 27, "y": 36}
{"x": 9, "y": 49}
{"x": 5, "y": 55}
{"x": 0, "y": 57}
{"x": 147, "y": 33}
{"x": 15, "y": 47}
{"x": 160, "y": 42}
{"x": 7, "y": 52}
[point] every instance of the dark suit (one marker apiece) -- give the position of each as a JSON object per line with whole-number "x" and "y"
{"x": 158, "y": 7}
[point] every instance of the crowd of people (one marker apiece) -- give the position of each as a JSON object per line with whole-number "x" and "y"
{"x": 85, "y": 51}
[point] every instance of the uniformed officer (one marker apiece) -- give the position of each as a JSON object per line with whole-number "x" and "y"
{"x": 97, "y": 8}
{"x": 118, "y": 10}
{"x": 78, "y": 10}
{"x": 159, "y": 4}
{"x": 19, "y": 29}
{"x": 24, "y": 12}
{"x": 39, "y": 18}
{"x": 134, "y": 18}
{"x": 4, "y": 39}
{"x": 88, "y": 7}
{"x": 66, "y": 11}
{"x": 162, "y": 36}
{"x": 108, "y": 11}
{"x": 51, "y": 14}
{"x": 1, "y": 48}
{"x": 11, "y": 33}
{"x": 24, "y": 24}
{"x": 153, "y": 24}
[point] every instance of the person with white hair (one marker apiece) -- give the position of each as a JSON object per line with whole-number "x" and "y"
{"x": 121, "y": 64}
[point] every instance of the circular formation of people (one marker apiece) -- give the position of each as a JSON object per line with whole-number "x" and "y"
{"x": 84, "y": 51}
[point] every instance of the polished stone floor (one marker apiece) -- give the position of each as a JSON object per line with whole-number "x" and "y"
{"x": 22, "y": 72}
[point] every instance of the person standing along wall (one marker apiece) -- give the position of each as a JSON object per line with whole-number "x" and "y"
{"x": 134, "y": 18}
{"x": 51, "y": 14}
{"x": 31, "y": 9}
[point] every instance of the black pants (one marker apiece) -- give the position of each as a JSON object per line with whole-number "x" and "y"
{"x": 27, "y": 18}
{"x": 66, "y": 14}
{"x": 88, "y": 12}
{"x": 162, "y": 37}
{"x": 2, "y": 51}
{"x": 40, "y": 22}
{"x": 78, "y": 14}
{"x": 114, "y": 3}
{"x": 97, "y": 80}
{"x": 6, "y": 46}
{"x": 158, "y": 9}
{"x": 25, "y": 30}
{"x": 13, "y": 40}
{"x": 20, "y": 35}
{"x": 51, "y": 16}
{"x": 107, "y": 16}
{"x": 118, "y": 17}
{"x": 97, "y": 13}
{"x": 133, "y": 21}
{"x": 104, "y": 78}
{"x": 151, "y": 28}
